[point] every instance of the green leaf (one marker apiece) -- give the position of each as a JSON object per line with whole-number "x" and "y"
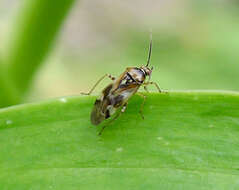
{"x": 188, "y": 140}
{"x": 38, "y": 23}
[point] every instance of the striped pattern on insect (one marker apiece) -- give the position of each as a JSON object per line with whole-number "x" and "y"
{"x": 116, "y": 95}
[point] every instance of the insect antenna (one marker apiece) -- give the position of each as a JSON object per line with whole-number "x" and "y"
{"x": 150, "y": 50}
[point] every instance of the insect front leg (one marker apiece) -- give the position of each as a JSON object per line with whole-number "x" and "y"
{"x": 98, "y": 82}
{"x": 142, "y": 104}
{"x": 115, "y": 117}
{"x": 154, "y": 83}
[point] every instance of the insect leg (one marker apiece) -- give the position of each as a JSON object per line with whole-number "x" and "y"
{"x": 93, "y": 88}
{"x": 142, "y": 105}
{"x": 146, "y": 89}
{"x": 116, "y": 116}
{"x": 155, "y": 84}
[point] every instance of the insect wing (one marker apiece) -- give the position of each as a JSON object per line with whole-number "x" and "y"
{"x": 96, "y": 115}
{"x": 99, "y": 111}
{"x": 126, "y": 91}
{"x": 113, "y": 97}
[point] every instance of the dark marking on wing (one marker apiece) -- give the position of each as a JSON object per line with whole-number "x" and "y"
{"x": 128, "y": 80}
{"x": 131, "y": 78}
{"x": 107, "y": 114}
{"x": 127, "y": 87}
{"x": 100, "y": 110}
{"x": 139, "y": 72}
{"x": 107, "y": 90}
{"x": 118, "y": 100}
{"x": 123, "y": 86}
{"x": 96, "y": 115}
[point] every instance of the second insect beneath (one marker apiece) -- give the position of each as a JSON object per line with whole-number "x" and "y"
{"x": 116, "y": 95}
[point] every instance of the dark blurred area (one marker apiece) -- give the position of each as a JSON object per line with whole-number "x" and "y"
{"x": 195, "y": 44}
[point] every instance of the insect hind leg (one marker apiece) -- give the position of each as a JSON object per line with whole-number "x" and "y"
{"x": 96, "y": 84}
{"x": 115, "y": 117}
{"x": 146, "y": 89}
{"x": 142, "y": 104}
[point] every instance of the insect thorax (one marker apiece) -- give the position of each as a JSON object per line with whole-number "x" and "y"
{"x": 136, "y": 75}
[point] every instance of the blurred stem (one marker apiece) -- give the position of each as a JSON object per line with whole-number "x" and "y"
{"x": 37, "y": 26}
{"x": 8, "y": 93}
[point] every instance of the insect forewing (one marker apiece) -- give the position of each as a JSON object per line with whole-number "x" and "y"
{"x": 96, "y": 115}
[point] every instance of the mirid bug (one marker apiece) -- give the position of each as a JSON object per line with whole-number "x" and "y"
{"x": 116, "y": 95}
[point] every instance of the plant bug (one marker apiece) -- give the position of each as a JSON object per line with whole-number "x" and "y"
{"x": 116, "y": 95}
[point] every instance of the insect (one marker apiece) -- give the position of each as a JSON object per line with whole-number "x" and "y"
{"x": 115, "y": 96}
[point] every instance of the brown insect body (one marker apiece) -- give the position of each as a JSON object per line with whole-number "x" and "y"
{"x": 118, "y": 93}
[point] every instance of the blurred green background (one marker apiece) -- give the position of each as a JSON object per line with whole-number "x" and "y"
{"x": 195, "y": 45}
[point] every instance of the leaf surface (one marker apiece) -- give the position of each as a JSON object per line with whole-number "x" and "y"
{"x": 188, "y": 140}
